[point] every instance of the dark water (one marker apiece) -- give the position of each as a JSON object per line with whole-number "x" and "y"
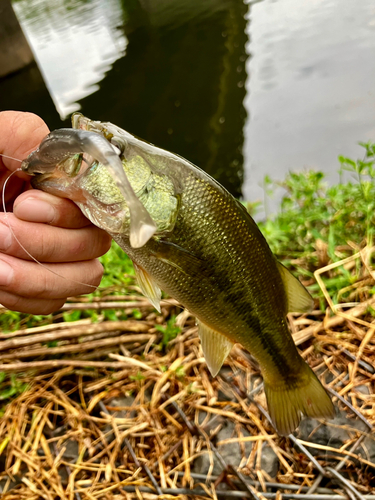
{"x": 177, "y": 86}
{"x": 242, "y": 90}
{"x": 179, "y": 82}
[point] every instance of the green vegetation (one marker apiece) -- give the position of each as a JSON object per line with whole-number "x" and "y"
{"x": 170, "y": 331}
{"x": 118, "y": 270}
{"x": 310, "y": 210}
{"x": 10, "y": 386}
{"x": 137, "y": 377}
{"x": 318, "y": 224}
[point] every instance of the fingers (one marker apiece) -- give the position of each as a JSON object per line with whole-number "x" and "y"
{"x": 26, "y": 286}
{"x": 30, "y": 280}
{"x": 37, "y": 206}
{"x": 21, "y": 133}
{"x": 50, "y": 244}
{"x": 30, "y": 306}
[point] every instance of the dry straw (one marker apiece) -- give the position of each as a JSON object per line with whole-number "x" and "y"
{"x": 108, "y": 415}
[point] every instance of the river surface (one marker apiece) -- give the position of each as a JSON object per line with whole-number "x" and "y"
{"x": 241, "y": 89}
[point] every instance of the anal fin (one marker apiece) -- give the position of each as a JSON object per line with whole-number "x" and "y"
{"x": 148, "y": 286}
{"x": 215, "y": 346}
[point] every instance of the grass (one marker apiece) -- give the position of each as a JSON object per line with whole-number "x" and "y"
{"x": 10, "y": 386}
{"x": 311, "y": 210}
{"x": 74, "y": 432}
{"x": 320, "y": 224}
{"x": 169, "y": 332}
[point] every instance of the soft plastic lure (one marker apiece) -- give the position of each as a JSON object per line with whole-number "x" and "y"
{"x": 63, "y": 143}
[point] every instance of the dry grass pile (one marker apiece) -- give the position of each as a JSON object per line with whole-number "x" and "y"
{"x": 108, "y": 414}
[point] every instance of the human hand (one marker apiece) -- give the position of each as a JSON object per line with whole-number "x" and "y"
{"x": 53, "y": 230}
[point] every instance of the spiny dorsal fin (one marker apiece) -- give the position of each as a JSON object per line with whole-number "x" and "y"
{"x": 299, "y": 299}
{"x": 148, "y": 286}
{"x": 215, "y": 346}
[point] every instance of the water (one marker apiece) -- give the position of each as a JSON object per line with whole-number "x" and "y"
{"x": 75, "y": 44}
{"x": 311, "y": 93}
{"x": 242, "y": 90}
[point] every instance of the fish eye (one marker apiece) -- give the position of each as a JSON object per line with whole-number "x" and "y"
{"x": 119, "y": 143}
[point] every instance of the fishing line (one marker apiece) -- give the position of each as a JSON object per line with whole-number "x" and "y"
{"x": 11, "y": 158}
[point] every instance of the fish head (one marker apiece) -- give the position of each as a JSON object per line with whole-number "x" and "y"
{"x": 83, "y": 180}
{"x": 86, "y": 181}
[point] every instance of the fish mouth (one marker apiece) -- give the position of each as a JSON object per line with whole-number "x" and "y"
{"x": 34, "y": 166}
{"x": 58, "y": 184}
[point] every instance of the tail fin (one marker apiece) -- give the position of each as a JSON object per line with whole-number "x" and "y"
{"x": 287, "y": 402}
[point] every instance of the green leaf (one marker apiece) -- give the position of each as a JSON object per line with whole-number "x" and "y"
{"x": 72, "y": 315}
{"x": 137, "y": 377}
{"x": 170, "y": 331}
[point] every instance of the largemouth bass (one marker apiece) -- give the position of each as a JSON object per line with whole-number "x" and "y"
{"x": 208, "y": 253}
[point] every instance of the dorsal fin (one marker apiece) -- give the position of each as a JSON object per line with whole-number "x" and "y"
{"x": 148, "y": 286}
{"x": 299, "y": 299}
{"x": 215, "y": 346}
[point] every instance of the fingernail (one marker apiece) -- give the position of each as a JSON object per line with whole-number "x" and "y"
{"x": 5, "y": 237}
{"x": 35, "y": 211}
{"x": 6, "y": 273}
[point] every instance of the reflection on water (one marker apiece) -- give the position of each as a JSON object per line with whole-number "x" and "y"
{"x": 311, "y": 93}
{"x": 75, "y": 42}
{"x": 181, "y": 84}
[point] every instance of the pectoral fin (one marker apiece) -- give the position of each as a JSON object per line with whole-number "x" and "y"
{"x": 299, "y": 299}
{"x": 215, "y": 346}
{"x": 148, "y": 286}
{"x": 180, "y": 258}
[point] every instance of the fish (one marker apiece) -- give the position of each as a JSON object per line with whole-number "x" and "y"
{"x": 208, "y": 253}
